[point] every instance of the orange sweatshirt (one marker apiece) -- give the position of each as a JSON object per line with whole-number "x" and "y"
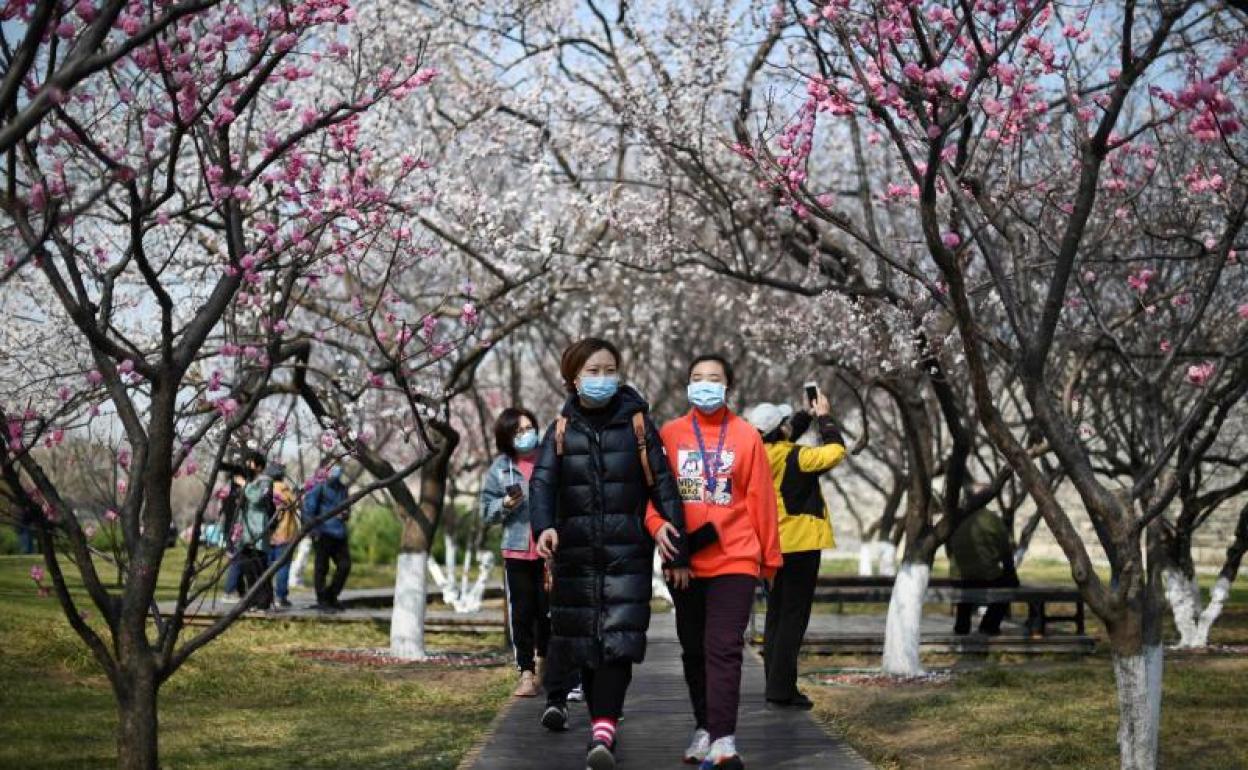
{"x": 742, "y": 505}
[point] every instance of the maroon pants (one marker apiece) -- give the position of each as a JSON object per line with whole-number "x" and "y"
{"x": 711, "y": 616}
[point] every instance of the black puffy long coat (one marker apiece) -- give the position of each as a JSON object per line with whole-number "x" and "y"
{"x": 595, "y": 496}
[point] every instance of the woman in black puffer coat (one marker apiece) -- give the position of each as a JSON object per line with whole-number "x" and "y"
{"x": 588, "y": 499}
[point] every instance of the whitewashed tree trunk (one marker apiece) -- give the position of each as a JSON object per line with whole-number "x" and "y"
{"x": 302, "y": 552}
{"x": 888, "y": 557}
{"x": 456, "y": 591}
{"x": 1183, "y": 594}
{"x": 1139, "y": 707}
{"x": 1217, "y": 599}
{"x": 407, "y": 618}
{"x": 865, "y": 561}
{"x": 903, "y": 629}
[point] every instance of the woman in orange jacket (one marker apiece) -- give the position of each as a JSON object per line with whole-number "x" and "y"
{"x": 730, "y": 514}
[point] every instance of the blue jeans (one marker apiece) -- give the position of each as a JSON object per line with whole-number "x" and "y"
{"x": 282, "y": 578}
{"x": 232, "y": 572}
{"x": 26, "y": 540}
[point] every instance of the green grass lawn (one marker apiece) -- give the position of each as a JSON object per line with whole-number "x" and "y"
{"x": 1048, "y": 712}
{"x": 244, "y": 701}
{"x": 247, "y": 701}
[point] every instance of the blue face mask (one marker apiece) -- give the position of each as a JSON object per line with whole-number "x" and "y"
{"x": 526, "y": 442}
{"x": 707, "y": 396}
{"x": 598, "y": 390}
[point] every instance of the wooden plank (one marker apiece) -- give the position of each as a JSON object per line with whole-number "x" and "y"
{"x": 950, "y": 594}
{"x": 657, "y": 723}
{"x": 1064, "y": 645}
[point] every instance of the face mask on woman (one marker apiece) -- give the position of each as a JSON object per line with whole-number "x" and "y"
{"x": 707, "y": 396}
{"x": 526, "y": 441}
{"x": 598, "y": 390}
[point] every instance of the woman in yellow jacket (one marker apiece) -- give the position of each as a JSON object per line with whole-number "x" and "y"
{"x": 805, "y": 530}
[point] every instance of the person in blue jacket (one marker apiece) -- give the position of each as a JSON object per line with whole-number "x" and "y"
{"x": 329, "y": 538}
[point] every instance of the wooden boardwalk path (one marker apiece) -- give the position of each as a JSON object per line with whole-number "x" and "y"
{"x": 657, "y": 724}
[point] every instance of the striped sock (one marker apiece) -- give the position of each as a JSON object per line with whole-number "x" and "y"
{"x": 604, "y": 731}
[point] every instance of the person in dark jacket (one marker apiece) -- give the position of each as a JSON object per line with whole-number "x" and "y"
{"x": 329, "y": 538}
{"x": 588, "y": 497}
{"x": 980, "y": 557}
{"x": 231, "y": 514}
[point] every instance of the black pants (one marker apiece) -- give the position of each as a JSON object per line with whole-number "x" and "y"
{"x": 605, "y": 688}
{"x": 560, "y": 679}
{"x": 328, "y": 548}
{"x": 252, "y": 563}
{"x": 788, "y": 614}
{"x": 528, "y": 610}
{"x": 711, "y": 616}
{"x": 991, "y": 623}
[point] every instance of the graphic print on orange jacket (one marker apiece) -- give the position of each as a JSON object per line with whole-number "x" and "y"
{"x": 726, "y": 481}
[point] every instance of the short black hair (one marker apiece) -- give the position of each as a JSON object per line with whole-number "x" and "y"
{"x": 717, "y": 358}
{"x": 506, "y": 427}
{"x": 256, "y": 457}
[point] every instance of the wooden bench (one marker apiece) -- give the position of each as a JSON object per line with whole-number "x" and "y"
{"x": 852, "y": 589}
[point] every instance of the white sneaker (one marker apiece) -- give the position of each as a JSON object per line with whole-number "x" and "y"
{"x": 576, "y": 694}
{"x": 723, "y": 755}
{"x": 229, "y": 599}
{"x": 699, "y": 745}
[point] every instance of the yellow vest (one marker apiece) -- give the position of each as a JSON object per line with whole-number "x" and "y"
{"x": 795, "y": 472}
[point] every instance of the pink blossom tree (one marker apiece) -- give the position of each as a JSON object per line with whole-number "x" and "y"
{"x": 1024, "y": 137}
{"x": 169, "y": 209}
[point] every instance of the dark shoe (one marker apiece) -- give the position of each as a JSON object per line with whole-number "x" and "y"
{"x": 798, "y": 702}
{"x": 325, "y": 607}
{"x": 284, "y": 604}
{"x": 337, "y": 605}
{"x": 555, "y": 717}
{"x": 601, "y": 756}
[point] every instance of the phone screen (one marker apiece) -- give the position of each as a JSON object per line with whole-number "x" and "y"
{"x": 513, "y": 490}
{"x": 812, "y": 392}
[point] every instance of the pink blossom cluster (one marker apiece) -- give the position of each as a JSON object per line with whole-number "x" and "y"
{"x": 1200, "y": 374}
{"x": 1141, "y": 279}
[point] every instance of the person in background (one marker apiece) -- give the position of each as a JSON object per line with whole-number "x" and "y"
{"x": 504, "y": 499}
{"x": 27, "y": 540}
{"x": 730, "y": 507}
{"x": 229, "y": 516}
{"x": 805, "y": 530}
{"x": 330, "y": 538}
{"x": 285, "y": 530}
{"x": 253, "y": 526}
{"x": 980, "y": 557}
{"x": 598, "y": 467}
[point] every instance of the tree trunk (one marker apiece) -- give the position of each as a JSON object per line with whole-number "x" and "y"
{"x": 137, "y": 730}
{"x": 866, "y": 563}
{"x": 1217, "y": 599}
{"x": 1138, "y": 676}
{"x": 887, "y": 555}
{"x": 877, "y": 556}
{"x": 407, "y": 617}
{"x": 1183, "y": 594}
{"x": 903, "y": 629}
